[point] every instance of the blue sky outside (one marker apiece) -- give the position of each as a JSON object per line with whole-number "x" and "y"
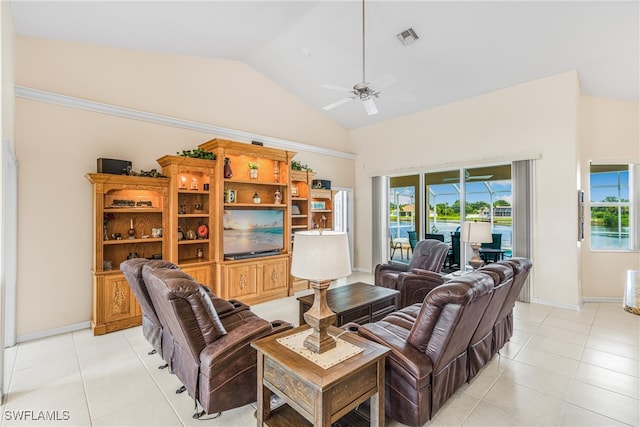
{"x": 446, "y": 193}
{"x": 606, "y": 184}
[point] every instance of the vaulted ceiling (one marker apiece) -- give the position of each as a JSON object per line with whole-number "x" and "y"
{"x": 465, "y": 49}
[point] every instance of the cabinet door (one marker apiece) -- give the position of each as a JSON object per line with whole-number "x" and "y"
{"x": 200, "y": 273}
{"x": 242, "y": 281}
{"x": 274, "y": 277}
{"x": 118, "y": 301}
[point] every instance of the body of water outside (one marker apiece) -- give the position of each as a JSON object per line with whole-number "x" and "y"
{"x": 606, "y": 238}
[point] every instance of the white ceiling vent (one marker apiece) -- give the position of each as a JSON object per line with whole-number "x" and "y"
{"x": 407, "y": 37}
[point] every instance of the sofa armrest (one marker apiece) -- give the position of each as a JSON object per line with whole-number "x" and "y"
{"x": 416, "y": 363}
{"x": 414, "y": 287}
{"x": 234, "y": 340}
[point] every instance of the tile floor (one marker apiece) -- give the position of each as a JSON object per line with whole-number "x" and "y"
{"x": 561, "y": 368}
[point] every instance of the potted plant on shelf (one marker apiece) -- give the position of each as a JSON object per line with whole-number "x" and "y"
{"x": 253, "y": 169}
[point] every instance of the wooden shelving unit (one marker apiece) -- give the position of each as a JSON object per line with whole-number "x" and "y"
{"x": 321, "y": 209}
{"x": 192, "y": 215}
{"x": 300, "y": 213}
{"x": 260, "y": 279}
{"x": 118, "y": 202}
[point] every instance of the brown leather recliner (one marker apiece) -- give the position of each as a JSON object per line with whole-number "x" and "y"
{"x": 480, "y": 347}
{"x": 152, "y": 328}
{"x": 428, "y": 342}
{"x": 416, "y": 279}
{"x": 216, "y": 363}
{"x": 503, "y": 328}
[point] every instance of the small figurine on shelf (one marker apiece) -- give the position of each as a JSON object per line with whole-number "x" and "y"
{"x": 256, "y": 198}
{"x": 132, "y": 231}
{"x": 194, "y": 184}
{"x": 200, "y": 253}
{"x": 228, "y": 173}
{"x": 277, "y": 197}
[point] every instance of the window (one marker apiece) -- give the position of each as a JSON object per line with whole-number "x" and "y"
{"x": 610, "y": 206}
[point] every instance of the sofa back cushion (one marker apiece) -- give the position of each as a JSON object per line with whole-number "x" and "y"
{"x": 429, "y": 255}
{"x": 186, "y": 308}
{"x": 449, "y": 316}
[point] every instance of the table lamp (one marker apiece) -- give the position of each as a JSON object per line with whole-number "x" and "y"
{"x": 320, "y": 256}
{"x": 476, "y": 233}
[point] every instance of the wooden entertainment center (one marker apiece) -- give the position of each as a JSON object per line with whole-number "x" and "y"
{"x": 181, "y": 218}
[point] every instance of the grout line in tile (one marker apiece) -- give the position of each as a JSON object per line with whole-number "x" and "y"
{"x": 84, "y": 385}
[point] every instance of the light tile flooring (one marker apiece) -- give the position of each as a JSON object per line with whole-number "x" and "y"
{"x": 561, "y": 368}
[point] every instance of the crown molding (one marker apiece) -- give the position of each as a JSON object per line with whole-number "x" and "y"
{"x": 220, "y": 132}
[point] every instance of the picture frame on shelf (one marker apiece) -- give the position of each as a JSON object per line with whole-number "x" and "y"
{"x": 318, "y": 205}
{"x": 295, "y": 210}
{"x": 230, "y": 196}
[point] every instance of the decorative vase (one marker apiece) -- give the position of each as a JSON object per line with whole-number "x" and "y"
{"x": 253, "y": 173}
{"x": 256, "y": 198}
{"x": 105, "y": 235}
{"x": 228, "y": 173}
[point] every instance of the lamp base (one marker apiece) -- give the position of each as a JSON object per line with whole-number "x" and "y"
{"x": 319, "y": 317}
{"x": 476, "y": 262}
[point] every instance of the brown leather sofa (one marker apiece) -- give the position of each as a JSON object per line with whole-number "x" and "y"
{"x": 481, "y": 345}
{"x": 429, "y": 342}
{"x": 503, "y": 328}
{"x": 416, "y": 279}
{"x": 205, "y": 339}
{"x": 152, "y": 328}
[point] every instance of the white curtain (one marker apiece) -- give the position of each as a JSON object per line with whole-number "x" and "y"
{"x": 380, "y": 219}
{"x": 521, "y": 176}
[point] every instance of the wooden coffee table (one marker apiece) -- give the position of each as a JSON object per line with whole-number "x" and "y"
{"x": 357, "y": 302}
{"x": 315, "y": 396}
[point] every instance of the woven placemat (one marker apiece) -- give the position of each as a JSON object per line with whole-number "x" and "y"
{"x": 342, "y": 351}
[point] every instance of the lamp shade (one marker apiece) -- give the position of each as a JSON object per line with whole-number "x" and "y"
{"x": 320, "y": 256}
{"x": 476, "y": 232}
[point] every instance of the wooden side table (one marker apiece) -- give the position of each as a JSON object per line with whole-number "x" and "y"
{"x": 320, "y": 396}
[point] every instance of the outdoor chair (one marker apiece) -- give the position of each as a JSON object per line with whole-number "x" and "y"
{"x": 413, "y": 241}
{"x": 434, "y": 236}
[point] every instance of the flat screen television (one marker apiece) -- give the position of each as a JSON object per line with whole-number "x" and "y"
{"x": 253, "y": 232}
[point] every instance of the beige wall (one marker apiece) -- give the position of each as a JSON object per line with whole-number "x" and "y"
{"x": 610, "y": 133}
{"x": 57, "y": 146}
{"x": 535, "y": 119}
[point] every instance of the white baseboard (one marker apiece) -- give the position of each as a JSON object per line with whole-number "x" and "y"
{"x": 52, "y": 332}
{"x": 574, "y": 307}
{"x": 617, "y": 300}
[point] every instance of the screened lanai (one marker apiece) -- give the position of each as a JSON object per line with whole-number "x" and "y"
{"x": 452, "y": 196}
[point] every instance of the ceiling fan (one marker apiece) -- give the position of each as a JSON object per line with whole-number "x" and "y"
{"x": 468, "y": 177}
{"x": 364, "y": 90}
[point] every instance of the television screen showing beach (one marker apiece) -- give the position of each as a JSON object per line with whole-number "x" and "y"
{"x": 247, "y": 231}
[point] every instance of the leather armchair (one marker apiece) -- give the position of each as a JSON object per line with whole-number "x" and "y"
{"x": 481, "y": 346}
{"x": 415, "y": 285}
{"x": 428, "y": 342}
{"x": 151, "y": 325}
{"x": 213, "y": 359}
{"x": 503, "y": 327}
{"x": 428, "y": 254}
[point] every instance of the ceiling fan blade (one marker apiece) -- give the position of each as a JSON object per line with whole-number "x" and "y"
{"x": 334, "y": 87}
{"x": 370, "y": 106}
{"x": 338, "y": 103}
{"x": 382, "y": 82}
